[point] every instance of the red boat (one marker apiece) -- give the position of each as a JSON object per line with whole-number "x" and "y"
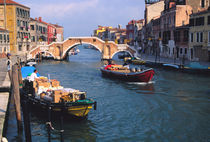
{"x": 123, "y": 73}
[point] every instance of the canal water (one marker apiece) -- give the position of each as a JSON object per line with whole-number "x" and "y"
{"x": 174, "y": 107}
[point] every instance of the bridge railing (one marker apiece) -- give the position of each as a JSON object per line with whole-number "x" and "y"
{"x": 122, "y": 46}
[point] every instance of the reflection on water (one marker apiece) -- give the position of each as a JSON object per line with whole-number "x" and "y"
{"x": 172, "y": 107}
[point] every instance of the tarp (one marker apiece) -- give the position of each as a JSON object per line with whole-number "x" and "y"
{"x": 196, "y": 65}
{"x": 27, "y": 71}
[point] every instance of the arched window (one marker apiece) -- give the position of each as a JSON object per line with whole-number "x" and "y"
{"x": 202, "y": 3}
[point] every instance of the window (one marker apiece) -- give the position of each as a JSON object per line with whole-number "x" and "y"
{"x": 27, "y": 48}
{"x": 197, "y": 37}
{"x": 192, "y": 22}
{"x": 202, "y": 3}
{"x": 169, "y": 21}
{"x": 201, "y": 36}
{"x": 177, "y": 36}
{"x": 0, "y": 36}
{"x": 185, "y": 51}
{"x": 7, "y": 38}
{"x": 33, "y": 38}
{"x": 19, "y": 47}
{"x": 180, "y": 50}
{"x": 18, "y": 23}
{"x": 186, "y": 36}
{"x": 5, "y": 49}
{"x": 32, "y": 27}
{"x": 191, "y": 37}
{"x": 199, "y": 21}
{"x": 209, "y": 37}
{"x": 208, "y": 20}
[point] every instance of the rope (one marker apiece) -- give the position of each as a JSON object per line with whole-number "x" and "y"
{"x": 52, "y": 128}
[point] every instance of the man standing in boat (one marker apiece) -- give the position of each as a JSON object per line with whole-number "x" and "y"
{"x": 29, "y": 82}
{"x": 33, "y": 76}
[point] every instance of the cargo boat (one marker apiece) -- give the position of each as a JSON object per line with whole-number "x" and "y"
{"x": 123, "y": 73}
{"x": 44, "y": 93}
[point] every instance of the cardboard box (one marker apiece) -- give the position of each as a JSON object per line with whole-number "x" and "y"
{"x": 56, "y": 98}
{"x": 44, "y": 84}
{"x": 55, "y": 83}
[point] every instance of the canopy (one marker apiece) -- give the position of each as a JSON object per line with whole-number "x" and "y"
{"x": 27, "y": 71}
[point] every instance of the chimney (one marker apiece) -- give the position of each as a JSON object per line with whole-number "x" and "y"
{"x": 40, "y": 19}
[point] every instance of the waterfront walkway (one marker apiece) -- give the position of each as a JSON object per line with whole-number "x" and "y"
{"x": 4, "y": 91}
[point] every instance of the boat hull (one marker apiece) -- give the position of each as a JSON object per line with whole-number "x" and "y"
{"x": 143, "y": 76}
{"x": 75, "y": 109}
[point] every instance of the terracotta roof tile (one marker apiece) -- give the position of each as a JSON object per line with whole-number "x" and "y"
{"x": 11, "y": 2}
{"x": 1, "y": 29}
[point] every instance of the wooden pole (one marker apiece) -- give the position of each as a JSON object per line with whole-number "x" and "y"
{"x": 20, "y": 75}
{"x": 16, "y": 94}
{"x": 26, "y": 118}
{"x": 61, "y": 125}
{"x": 49, "y": 123}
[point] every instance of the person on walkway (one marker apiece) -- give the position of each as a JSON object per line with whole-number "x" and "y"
{"x": 33, "y": 76}
{"x": 9, "y": 65}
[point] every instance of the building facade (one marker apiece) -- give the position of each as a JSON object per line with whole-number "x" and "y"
{"x": 51, "y": 33}
{"x": 15, "y": 18}
{"x": 59, "y": 33}
{"x": 38, "y": 32}
{"x": 173, "y": 20}
{"x": 99, "y": 31}
{"x": 199, "y": 41}
{"x": 137, "y": 34}
{"x": 130, "y": 32}
{"x": 4, "y": 41}
{"x": 153, "y": 9}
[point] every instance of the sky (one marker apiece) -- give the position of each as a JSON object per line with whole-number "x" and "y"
{"x": 81, "y": 17}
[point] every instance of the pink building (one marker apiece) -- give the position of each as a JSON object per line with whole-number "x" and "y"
{"x": 51, "y": 32}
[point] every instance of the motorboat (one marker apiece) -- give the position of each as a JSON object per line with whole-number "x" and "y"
{"x": 126, "y": 74}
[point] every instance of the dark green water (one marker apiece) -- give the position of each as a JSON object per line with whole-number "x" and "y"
{"x": 174, "y": 107}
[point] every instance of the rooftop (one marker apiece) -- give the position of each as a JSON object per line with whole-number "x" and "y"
{"x": 11, "y": 2}
{"x": 201, "y": 12}
{"x": 1, "y": 29}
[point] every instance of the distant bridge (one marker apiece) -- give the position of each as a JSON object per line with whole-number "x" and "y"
{"x": 59, "y": 50}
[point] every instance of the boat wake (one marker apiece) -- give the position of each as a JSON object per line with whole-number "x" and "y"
{"x": 142, "y": 83}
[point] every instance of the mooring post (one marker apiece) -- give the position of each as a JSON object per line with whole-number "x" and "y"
{"x": 49, "y": 123}
{"x": 61, "y": 125}
{"x": 16, "y": 94}
{"x": 20, "y": 80}
{"x": 26, "y": 118}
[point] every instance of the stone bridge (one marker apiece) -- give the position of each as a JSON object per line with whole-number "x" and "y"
{"x": 59, "y": 50}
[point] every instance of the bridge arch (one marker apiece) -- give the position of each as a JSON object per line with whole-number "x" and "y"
{"x": 44, "y": 52}
{"x": 122, "y": 51}
{"x": 76, "y": 44}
